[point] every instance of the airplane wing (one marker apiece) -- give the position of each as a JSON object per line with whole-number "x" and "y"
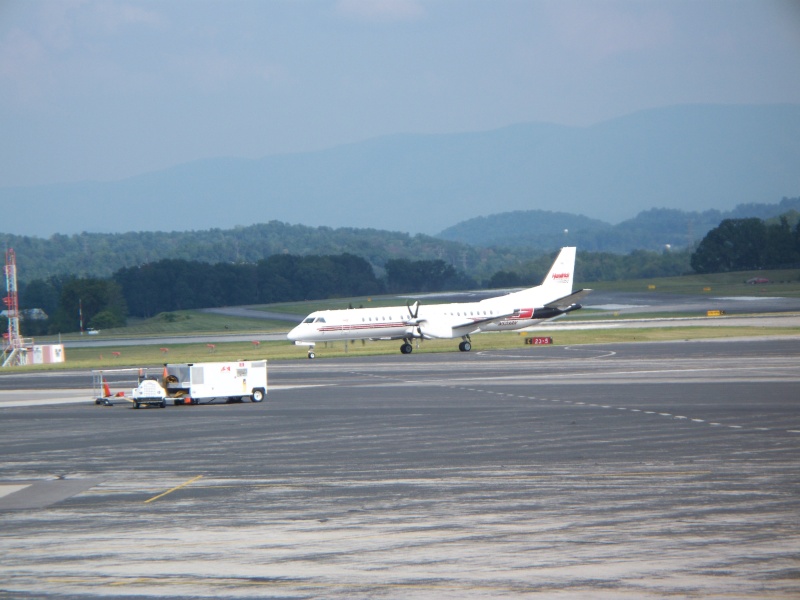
{"x": 455, "y": 327}
{"x": 568, "y": 301}
{"x": 492, "y": 318}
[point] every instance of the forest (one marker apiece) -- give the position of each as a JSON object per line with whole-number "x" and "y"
{"x": 742, "y": 244}
{"x": 477, "y": 247}
{"x": 177, "y": 284}
{"x": 103, "y": 254}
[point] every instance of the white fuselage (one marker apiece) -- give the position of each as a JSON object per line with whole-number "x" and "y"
{"x": 446, "y": 321}
{"x": 397, "y": 322}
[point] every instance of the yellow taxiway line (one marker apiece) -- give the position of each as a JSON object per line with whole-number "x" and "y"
{"x": 177, "y": 487}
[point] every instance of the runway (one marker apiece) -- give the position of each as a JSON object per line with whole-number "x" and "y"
{"x": 629, "y": 470}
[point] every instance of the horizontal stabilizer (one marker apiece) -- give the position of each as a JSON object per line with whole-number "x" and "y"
{"x": 567, "y": 301}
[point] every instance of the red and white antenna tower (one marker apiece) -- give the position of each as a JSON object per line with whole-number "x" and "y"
{"x": 13, "y": 351}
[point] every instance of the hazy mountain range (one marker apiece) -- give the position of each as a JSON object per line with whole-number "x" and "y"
{"x": 654, "y": 229}
{"x": 478, "y": 247}
{"x": 688, "y": 157}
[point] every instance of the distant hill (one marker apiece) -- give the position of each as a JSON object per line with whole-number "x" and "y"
{"x": 652, "y": 229}
{"x": 526, "y": 228}
{"x": 694, "y": 158}
{"x": 478, "y": 247}
{"x": 101, "y": 254}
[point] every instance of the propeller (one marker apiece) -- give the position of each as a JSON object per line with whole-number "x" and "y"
{"x": 413, "y": 311}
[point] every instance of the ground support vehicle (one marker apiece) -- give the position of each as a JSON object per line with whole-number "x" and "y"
{"x": 193, "y": 383}
{"x": 149, "y": 393}
{"x": 107, "y": 383}
{"x": 185, "y": 383}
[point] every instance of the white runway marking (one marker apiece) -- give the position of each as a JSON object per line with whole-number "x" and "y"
{"x": 621, "y": 408}
{"x": 6, "y": 489}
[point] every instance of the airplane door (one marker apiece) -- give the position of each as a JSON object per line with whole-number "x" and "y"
{"x": 346, "y": 327}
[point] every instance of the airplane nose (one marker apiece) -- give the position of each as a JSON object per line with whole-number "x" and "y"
{"x": 292, "y": 335}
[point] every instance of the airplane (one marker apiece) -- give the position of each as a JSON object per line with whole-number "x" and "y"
{"x": 515, "y": 310}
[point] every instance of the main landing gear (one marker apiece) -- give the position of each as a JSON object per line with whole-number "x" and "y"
{"x": 464, "y": 346}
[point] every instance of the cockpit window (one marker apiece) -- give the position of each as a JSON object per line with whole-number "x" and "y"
{"x": 321, "y": 320}
{"x": 309, "y": 320}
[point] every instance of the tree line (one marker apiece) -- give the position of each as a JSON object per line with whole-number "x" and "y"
{"x": 483, "y": 247}
{"x": 103, "y": 254}
{"x": 746, "y": 244}
{"x": 178, "y": 284}
{"x": 170, "y": 285}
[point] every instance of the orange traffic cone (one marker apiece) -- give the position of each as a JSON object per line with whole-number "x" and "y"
{"x": 106, "y": 389}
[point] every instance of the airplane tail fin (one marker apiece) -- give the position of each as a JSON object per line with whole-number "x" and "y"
{"x": 562, "y": 274}
{"x": 557, "y": 284}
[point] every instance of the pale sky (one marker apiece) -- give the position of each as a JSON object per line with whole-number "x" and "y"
{"x": 102, "y": 90}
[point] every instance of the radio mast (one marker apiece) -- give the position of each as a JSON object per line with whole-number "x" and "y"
{"x": 13, "y": 349}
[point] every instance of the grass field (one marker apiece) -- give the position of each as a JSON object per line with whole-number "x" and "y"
{"x": 190, "y": 322}
{"x": 186, "y": 323}
{"x": 784, "y": 283}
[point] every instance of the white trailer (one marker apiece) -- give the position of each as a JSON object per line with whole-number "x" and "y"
{"x": 191, "y": 383}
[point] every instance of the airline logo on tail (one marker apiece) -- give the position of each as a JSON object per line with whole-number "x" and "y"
{"x": 562, "y": 277}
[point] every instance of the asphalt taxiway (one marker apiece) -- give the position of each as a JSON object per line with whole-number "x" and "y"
{"x": 631, "y": 470}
